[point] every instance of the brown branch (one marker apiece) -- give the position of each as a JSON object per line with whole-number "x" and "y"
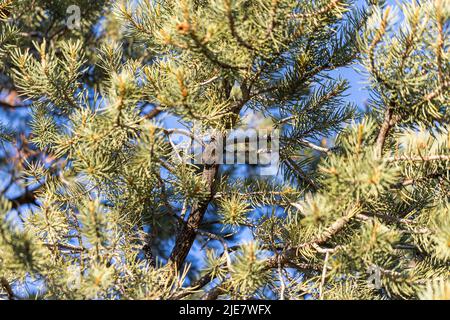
{"x": 9, "y": 106}
{"x": 65, "y": 246}
{"x": 211, "y": 56}
{"x": 152, "y": 114}
{"x": 305, "y": 267}
{"x": 392, "y": 219}
{"x": 10, "y": 102}
{"x": 440, "y": 48}
{"x": 419, "y": 158}
{"x": 409, "y": 182}
{"x": 186, "y": 28}
{"x": 147, "y": 247}
{"x": 232, "y": 26}
{"x": 441, "y": 88}
{"x": 292, "y": 165}
{"x": 273, "y": 13}
{"x": 326, "y": 235}
{"x": 389, "y": 121}
{"x": 187, "y": 233}
{"x": 214, "y": 293}
{"x": 7, "y": 287}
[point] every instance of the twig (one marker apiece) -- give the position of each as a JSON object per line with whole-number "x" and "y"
{"x": 280, "y": 276}
{"x": 315, "y": 147}
{"x": 152, "y": 114}
{"x": 5, "y": 284}
{"x": 213, "y": 294}
{"x": 204, "y": 83}
{"x": 327, "y": 234}
{"x": 65, "y": 246}
{"x": 232, "y": 25}
{"x": 324, "y": 273}
{"x": 419, "y": 158}
{"x": 384, "y": 131}
{"x": 185, "y": 133}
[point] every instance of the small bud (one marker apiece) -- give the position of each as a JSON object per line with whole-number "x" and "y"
{"x": 183, "y": 27}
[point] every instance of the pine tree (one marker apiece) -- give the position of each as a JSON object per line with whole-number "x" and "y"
{"x": 97, "y": 202}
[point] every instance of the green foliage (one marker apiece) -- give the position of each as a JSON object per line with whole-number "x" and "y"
{"x": 408, "y": 60}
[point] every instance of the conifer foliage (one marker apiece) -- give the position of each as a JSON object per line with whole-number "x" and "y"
{"x": 96, "y": 204}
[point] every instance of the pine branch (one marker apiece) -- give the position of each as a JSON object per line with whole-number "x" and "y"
{"x": 315, "y": 147}
{"x": 187, "y": 234}
{"x": 327, "y": 234}
{"x": 65, "y": 246}
{"x": 214, "y": 293}
{"x": 9, "y": 106}
{"x": 7, "y": 287}
{"x": 27, "y": 198}
{"x": 231, "y": 23}
{"x": 388, "y": 122}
